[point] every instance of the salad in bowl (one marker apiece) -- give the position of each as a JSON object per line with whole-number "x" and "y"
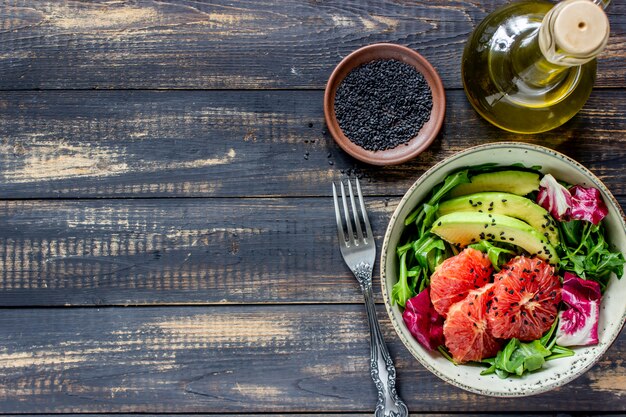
{"x": 507, "y": 271}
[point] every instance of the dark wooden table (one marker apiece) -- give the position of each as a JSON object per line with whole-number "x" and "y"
{"x": 167, "y": 240}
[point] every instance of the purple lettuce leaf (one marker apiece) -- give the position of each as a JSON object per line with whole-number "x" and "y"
{"x": 587, "y": 204}
{"x": 423, "y": 321}
{"x": 555, "y": 198}
{"x": 578, "y": 323}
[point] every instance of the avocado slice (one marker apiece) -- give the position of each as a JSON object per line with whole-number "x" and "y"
{"x": 465, "y": 228}
{"x": 508, "y": 204}
{"x": 514, "y": 182}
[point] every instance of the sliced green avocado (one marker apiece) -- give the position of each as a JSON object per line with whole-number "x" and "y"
{"x": 508, "y": 204}
{"x": 514, "y": 182}
{"x": 465, "y": 228}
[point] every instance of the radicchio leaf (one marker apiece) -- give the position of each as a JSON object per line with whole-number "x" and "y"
{"x": 555, "y": 198}
{"x": 587, "y": 204}
{"x": 423, "y": 321}
{"x": 578, "y": 323}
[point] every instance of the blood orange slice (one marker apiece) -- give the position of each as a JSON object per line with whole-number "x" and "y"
{"x": 526, "y": 294}
{"x": 466, "y": 329}
{"x": 456, "y": 276}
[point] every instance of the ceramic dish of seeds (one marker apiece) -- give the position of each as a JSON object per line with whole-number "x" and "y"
{"x": 384, "y": 104}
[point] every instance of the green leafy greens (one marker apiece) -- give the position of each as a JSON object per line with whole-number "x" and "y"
{"x": 586, "y": 253}
{"x": 517, "y": 357}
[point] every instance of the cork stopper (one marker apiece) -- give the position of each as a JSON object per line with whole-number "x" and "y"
{"x": 574, "y": 32}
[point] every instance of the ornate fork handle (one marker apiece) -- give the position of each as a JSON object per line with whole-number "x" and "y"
{"x": 381, "y": 365}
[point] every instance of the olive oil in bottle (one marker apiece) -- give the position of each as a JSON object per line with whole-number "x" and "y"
{"x": 530, "y": 66}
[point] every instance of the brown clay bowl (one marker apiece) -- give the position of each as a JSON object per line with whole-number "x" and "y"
{"x": 427, "y": 133}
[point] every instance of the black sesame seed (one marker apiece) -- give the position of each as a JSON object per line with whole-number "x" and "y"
{"x": 382, "y": 104}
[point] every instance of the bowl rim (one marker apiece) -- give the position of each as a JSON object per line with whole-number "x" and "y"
{"x": 382, "y": 158}
{"x": 400, "y": 327}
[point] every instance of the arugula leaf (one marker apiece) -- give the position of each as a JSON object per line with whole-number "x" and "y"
{"x": 504, "y": 358}
{"x": 493, "y": 253}
{"x": 532, "y": 355}
{"x": 585, "y": 252}
{"x": 429, "y": 216}
{"x": 532, "y": 168}
{"x": 547, "y": 340}
{"x": 517, "y": 357}
{"x": 424, "y": 246}
{"x": 560, "y": 352}
{"x": 401, "y": 292}
{"x": 444, "y": 352}
{"x": 570, "y": 231}
{"x": 449, "y": 183}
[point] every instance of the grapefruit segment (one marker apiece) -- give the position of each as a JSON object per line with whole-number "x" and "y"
{"x": 466, "y": 330}
{"x": 456, "y": 276}
{"x": 526, "y": 294}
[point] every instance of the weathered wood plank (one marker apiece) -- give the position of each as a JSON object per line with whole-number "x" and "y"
{"x": 240, "y": 44}
{"x": 237, "y": 359}
{"x": 234, "y": 143}
{"x": 337, "y": 415}
{"x": 171, "y": 251}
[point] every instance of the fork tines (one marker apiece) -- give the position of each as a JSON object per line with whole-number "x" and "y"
{"x": 358, "y": 216}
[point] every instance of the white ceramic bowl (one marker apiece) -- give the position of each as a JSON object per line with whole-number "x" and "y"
{"x": 557, "y": 372}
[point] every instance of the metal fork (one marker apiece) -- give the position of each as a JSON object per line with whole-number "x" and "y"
{"x": 359, "y": 252}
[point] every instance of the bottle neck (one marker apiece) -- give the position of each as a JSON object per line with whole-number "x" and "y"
{"x": 544, "y": 56}
{"x": 574, "y": 32}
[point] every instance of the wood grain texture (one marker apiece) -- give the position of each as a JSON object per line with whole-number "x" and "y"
{"x": 241, "y": 143}
{"x": 173, "y": 251}
{"x": 238, "y": 359}
{"x": 346, "y": 415}
{"x": 235, "y": 44}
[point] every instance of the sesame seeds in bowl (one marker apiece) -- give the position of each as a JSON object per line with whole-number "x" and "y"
{"x": 384, "y": 104}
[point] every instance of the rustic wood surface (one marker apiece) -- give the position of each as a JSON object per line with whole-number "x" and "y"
{"x": 238, "y": 359}
{"x": 236, "y": 44}
{"x": 167, "y": 241}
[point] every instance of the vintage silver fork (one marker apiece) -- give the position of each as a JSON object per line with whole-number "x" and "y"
{"x": 359, "y": 252}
